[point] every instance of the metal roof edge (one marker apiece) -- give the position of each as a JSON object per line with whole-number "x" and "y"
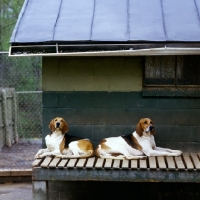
{"x": 12, "y": 39}
{"x": 139, "y": 52}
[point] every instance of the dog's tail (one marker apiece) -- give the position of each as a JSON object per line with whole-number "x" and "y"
{"x": 90, "y": 153}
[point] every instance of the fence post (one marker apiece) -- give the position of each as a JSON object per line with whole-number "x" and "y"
{"x": 15, "y": 101}
{"x": 2, "y": 128}
{"x": 9, "y": 107}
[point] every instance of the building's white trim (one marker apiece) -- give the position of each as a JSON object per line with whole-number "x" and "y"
{"x": 139, "y": 52}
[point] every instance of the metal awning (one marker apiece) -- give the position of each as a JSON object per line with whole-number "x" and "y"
{"x": 106, "y": 27}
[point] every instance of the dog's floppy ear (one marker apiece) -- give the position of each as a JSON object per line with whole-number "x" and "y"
{"x": 65, "y": 127}
{"x": 139, "y": 130}
{"x": 153, "y": 131}
{"x": 52, "y": 126}
{"x": 153, "y": 128}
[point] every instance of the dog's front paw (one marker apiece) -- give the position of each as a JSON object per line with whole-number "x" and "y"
{"x": 39, "y": 156}
{"x": 39, "y": 153}
{"x": 36, "y": 156}
{"x": 177, "y": 152}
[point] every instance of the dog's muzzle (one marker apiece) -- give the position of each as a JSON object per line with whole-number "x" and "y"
{"x": 151, "y": 128}
{"x": 57, "y": 124}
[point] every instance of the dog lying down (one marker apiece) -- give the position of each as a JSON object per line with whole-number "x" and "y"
{"x": 137, "y": 145}
{"x": 62, "y": 145}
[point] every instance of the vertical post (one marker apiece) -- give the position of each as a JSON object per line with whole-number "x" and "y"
{"x": 39, "y": 189}
{"x": 2, "y": 129}
{"x": 7, "y": 111}
{"x": 10, "y": 116}
{"x": 7, "y": 135}
{"x": 15, "y": 102}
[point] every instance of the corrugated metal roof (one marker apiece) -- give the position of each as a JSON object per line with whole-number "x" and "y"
{"x": 84, "y": 27}
{"x": 108, "y": 20}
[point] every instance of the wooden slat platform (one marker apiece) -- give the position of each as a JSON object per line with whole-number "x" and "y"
{"x": 185, "y": 168}
{"x": 184, "y": 162}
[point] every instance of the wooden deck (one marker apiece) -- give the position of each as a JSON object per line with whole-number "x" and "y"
{"x": 184, "y": 162}
{"x": 185, "y": 168}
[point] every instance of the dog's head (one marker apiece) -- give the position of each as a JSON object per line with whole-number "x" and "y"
{"x": 58, "y": 123}
{"x": 145, "y": 125}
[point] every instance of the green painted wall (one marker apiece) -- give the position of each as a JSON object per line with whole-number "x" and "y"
{"x": 96, "y": 109}
{"x": 96, "y": 115}
{"x": 92, "y": 74}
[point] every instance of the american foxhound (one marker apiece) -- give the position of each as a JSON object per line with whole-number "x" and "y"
{"x": 137, "y": 145}
{"x": 62, "y": 145}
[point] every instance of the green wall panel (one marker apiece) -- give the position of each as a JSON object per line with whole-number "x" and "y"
{"x": 92, "y": 74}
{"x": 96, "y": 115}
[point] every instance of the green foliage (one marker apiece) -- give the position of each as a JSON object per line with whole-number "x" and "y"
{"x": 9, "y": 11}
{"x": 21, "y": 73}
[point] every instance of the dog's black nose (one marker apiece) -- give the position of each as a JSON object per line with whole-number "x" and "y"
{"x": 57, "y": 124}
{"x": 151, "y": 128}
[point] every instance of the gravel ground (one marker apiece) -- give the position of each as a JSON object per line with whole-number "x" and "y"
{"x": 19, "y": 156}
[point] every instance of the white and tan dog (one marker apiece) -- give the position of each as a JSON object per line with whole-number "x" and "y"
{"x": 62, "y": 145}
{"x": 137, "y": 145}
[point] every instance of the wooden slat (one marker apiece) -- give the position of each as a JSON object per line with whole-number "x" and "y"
{"x": 46, "y": 162}
{"x": 4, "y": 172}
{"x": 20, "y": 172}
{"x": 161, "y": 163}
{"x": 99, "y": 163}
{"x": 195, "y": 161}
{"x": 188, "y": 162}
{"x": 63, "y": 163}
{"x": 54, "y": 163}
{"x": 90, "y": 162}
{"x": 37, "y": 162}
{"x": 170, "y": 163}
{"x": 108, "y": 163}
{"x": 143, "y": 164}
{"x": 179, "y": 163}
{"x": 81, "y": 163}
{"x": 152, "y": 162}
{"x": 125, "y": 164}
{"x": 71, "y": 163}
{"x": 116, "y": 164}
{"x": 134, "y": 164}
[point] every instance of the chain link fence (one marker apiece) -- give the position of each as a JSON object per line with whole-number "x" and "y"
{"x": 20, "y": 110}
